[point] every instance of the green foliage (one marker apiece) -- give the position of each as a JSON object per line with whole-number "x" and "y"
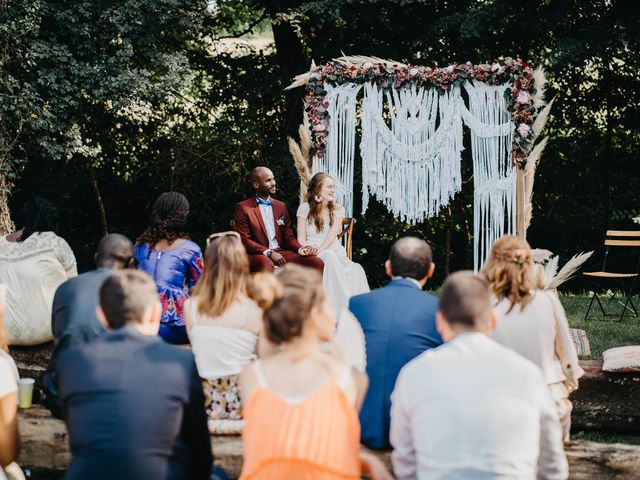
{"x": 148, "y": 95}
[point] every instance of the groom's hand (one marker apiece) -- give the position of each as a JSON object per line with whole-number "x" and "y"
{"x": 277, "y": 259}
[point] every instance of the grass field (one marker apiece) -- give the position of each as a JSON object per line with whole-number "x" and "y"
{"x": 603, "y": 333}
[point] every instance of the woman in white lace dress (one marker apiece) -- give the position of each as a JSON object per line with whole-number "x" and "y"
{"x": 319, "y": 222}
{"x": 34, "y": 261}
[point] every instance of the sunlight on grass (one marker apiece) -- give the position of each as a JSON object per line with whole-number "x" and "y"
{"x": 603, "y": 333}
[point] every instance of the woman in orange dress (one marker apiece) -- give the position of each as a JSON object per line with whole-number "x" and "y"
{"x": 300, "y": 404}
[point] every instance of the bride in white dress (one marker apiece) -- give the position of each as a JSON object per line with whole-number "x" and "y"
{"x": 319, "y": 222}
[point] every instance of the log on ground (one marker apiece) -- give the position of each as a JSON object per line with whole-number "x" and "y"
{"x": 45, "y": 446}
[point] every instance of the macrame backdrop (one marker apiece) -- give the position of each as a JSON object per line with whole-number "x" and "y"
{"x": 494, "y": 177}
{"x": 412, "y": 135}
{"x": 412, "y": 167}
{"x": 341, "y": 145}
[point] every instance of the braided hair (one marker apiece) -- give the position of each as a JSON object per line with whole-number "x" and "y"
{"x": 37, "y": 215}
{"x": 168, "y": 219}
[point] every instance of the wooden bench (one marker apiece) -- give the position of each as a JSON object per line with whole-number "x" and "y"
{"x": 45, "y": 446}
{"x": 605, "y": 402}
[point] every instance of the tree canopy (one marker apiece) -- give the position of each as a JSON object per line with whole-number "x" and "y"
{"x": 105, "y": 104}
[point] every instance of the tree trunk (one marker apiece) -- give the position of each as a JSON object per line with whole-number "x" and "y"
{"x": 6, "y": 225}
{"x": 103, "y": 216}
{"x": 293, "y": 60}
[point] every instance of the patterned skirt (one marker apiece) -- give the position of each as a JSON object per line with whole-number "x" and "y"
{"x": 223, "y": 405}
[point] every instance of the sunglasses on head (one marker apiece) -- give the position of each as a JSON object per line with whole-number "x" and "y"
{"x": 213, "y": 236}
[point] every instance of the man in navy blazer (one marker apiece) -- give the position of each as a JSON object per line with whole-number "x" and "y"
{"x": 399, "y": 323}
{"x": 133, "y": 404}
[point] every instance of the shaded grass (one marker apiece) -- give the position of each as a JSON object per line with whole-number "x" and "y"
{"x": 602, "y": 332}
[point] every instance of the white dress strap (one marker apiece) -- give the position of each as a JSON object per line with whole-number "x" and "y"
{"x": 344, "y": 379}
{"x": 249, "y": 315}
{"x": 257, "y": 369}
{"x": 194, "y": 312}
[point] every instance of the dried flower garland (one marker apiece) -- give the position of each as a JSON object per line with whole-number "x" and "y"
{"x": 519, "y": 97}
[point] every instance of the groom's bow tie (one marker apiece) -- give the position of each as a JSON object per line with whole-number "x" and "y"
{"x": 264, "y": 202}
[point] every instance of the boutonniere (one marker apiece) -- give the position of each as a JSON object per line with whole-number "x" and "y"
{"x": 280, "y": 221}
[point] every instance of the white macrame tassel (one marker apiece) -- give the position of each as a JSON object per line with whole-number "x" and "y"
{"x": 494, "y": 177}
{"x": 413, "y": 167}
{"x": 338, "y": 160}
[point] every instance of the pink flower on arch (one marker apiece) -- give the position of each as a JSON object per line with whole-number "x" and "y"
{"x": 524, "y": 129}
{"x": 523, "y": 97}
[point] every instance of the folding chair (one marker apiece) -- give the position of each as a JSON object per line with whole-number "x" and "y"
{"x": 617, "y": 239}
{"x": 346, "y": 234}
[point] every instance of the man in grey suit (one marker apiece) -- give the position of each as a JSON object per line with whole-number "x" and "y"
{"x": 73, "y": 316}
{"x": 133, "y": 404}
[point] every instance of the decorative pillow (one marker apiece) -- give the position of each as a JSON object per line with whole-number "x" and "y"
{"x": 581, "y": 341}
{"x": 621, "y": 359}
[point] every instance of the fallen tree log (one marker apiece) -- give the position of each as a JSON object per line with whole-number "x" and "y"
{"x": 45, "y": 446}
{"x": 606, "y": 402}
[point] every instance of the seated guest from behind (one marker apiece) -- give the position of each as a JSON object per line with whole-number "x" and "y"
{"x": 132, "y": 403}
{"x": 174, "y": 262}
{"x": 300, "y": 403}
{"x": 532, "y": 322}
{"x": 473, "y": 408}
{"x": 9, "y": 440}
{"x": 34, "y": 262}
{"x": 223, "y": 325}
{"x": 399, "y": 324}
{"x": 73, "y": 317}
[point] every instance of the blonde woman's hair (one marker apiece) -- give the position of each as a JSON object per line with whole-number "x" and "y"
{"x": 287, "y": 299}
{"x": 509, "y": 270}
{"x": 224, "y": 278}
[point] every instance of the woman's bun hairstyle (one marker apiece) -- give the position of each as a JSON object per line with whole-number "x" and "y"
{"x": 286, "y": 299}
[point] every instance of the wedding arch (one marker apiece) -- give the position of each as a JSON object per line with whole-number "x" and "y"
{"x": 411, "y": 143}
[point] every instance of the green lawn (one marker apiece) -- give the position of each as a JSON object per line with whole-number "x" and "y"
{"x": 603, "y": 333}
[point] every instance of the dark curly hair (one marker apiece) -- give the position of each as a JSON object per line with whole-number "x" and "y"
{"x": 37, "y": 215}
{"x": 168, "y": 219}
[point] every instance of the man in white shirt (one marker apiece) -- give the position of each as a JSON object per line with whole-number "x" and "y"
{"x": 265, "y": 228}
{"x": 473, "y": 409}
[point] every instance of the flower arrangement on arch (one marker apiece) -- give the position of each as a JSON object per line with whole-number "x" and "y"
{"x": 387, "y": 75}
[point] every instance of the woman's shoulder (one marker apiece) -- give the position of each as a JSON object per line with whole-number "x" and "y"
{"x": 190, "y": 246}
{"x": 303, "y": 210}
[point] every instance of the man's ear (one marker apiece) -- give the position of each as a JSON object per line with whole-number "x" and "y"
{"x": 441, "y": 325}
{"x": 102, "y": 318}
{"x": 432, "y": 269}
{"x": 493, "y": 322}
{"x": 387, "y": 268}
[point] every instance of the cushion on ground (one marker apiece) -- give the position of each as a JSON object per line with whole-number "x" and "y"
{"x": 621, "y": 359}
{"x": 581, "y": 341}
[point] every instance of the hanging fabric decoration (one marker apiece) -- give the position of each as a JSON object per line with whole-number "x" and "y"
{"x": 413, "y": 166}
{"x": 494, "y": 179}
{"x": 341, "y": 145}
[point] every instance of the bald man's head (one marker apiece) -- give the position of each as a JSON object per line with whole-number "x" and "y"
{"x": 115, "y": 251}
{"x": 410, "y": 257}
{"x": 263, "y": 181}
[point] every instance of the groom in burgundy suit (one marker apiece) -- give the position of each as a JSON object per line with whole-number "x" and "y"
{"x": 265, "y": 228}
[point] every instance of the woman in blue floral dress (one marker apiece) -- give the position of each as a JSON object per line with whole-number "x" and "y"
{"x": 166, "y": 253}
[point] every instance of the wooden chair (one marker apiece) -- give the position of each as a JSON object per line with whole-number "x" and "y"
{"x": 346, "y": 234}
{"x": 617, "y": 239}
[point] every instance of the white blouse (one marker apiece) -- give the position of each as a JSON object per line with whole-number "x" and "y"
{"x": 222, "y": 351}
{"x": 33, "y": 270}
{"x": 537, "y": 333}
